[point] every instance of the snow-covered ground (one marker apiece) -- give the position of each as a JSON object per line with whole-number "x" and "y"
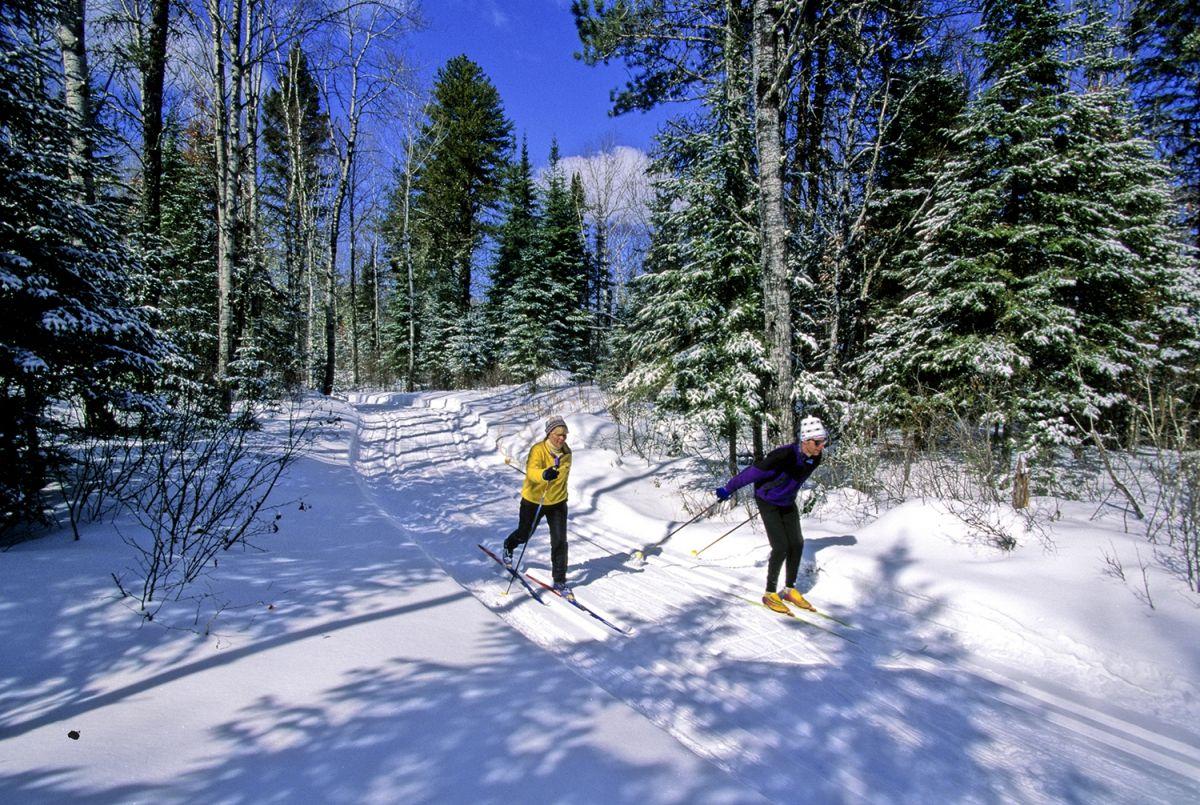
{"x": 372, "y": 653}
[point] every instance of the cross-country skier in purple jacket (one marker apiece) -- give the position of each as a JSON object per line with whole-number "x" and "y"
{"x": 777, "y": 480}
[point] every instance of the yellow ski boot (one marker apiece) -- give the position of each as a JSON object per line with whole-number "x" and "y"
{"x": 792, "y": 596}
{"x": 773, "y": 602}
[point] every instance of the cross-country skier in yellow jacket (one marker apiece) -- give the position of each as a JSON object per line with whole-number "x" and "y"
{"x": 544, "y": 494}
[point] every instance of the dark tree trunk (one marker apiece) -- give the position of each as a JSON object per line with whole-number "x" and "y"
{"x": 769, "y": 81}
{"x": 153, "y": 80}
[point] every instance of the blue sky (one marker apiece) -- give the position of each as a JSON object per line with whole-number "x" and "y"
{"x": 526, "y": 48}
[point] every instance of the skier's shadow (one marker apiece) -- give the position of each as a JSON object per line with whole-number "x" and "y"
{"x": 602, "y": 566}
{"x": 804, "y": 583}
{"x": 824, "y": 542}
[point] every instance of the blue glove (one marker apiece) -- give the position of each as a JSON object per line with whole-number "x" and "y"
{"x": 549, "y": 474}
{"x": 722, "y": 493}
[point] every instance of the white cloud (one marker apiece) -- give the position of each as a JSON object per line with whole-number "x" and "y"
{"x": 616, "y": 183}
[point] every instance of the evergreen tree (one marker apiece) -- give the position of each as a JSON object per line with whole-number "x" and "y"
{"x": 295, "y": 176}
{"x": 456, "y": 189}
{"x": 930, "y": 102}
{"x": 188, "y": 225}
{"x": 562, "y": 262}
{"x": 69, "y": 336}
{"x": 514, "y": 257}
{"x": 1036, "y": 292}
{"x": 1164, "y": 38}
{"x": 690, "y": 337}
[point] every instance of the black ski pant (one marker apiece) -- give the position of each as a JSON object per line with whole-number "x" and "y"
{"x": 556, "y": 518}
{"x": 787, "y": 543}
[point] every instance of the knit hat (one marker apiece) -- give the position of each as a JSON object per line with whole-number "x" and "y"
{"x": 812, "y": 428}
{"x": 554, "y": 422}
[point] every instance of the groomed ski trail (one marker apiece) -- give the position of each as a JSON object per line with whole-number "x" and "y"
{"x": 888, "y": 717}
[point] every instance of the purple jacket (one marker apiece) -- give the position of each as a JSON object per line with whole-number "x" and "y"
{"x": 777, "y": 478}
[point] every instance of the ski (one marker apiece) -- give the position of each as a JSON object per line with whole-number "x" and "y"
{"x": 833, "y": 618}
{"x": 799, "y": 621}
{"x": 529, "y": 587}
{"x": 573, "y": 602}
{"x": 826, "y": 615}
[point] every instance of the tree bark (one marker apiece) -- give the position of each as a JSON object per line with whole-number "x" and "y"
{"x": 769, "y": 79}
{"x": 226, "y": 113}
{"x": 77, "y": 94}
{"x": 153, "y": 81}
{"x": 353, "y": 229}
{"x": 335, "y": 230}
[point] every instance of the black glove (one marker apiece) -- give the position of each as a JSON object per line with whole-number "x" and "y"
{"x": 549, "y": 474}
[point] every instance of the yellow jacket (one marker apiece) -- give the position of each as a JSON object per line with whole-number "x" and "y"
{"x": 534, "y": 488}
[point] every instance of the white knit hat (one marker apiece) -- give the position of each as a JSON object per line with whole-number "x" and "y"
{"x": 554, "y": 422}
{"x": 812, "y": 428}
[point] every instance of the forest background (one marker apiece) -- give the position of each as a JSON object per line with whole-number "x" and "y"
{"x": 962, "y": 233}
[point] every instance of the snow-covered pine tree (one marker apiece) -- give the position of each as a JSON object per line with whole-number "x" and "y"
{"x": 295, "y": 178}
{"x": 1031, "y": 300}
{"x": 1138, "y": 240}
{"x": 467, "y": 141}
{"x": 561, "y": 267}
{"x": 506, "y": 312}
{"x": 690, "y": 337}
{"x": 68, "y": 336}
{"x": 928, "y": 99}
{"x": 1165, "y": 47}
{"x": 188, "y": 316}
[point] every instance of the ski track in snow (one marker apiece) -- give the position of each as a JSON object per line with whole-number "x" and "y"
{"x": 899, "y": 710}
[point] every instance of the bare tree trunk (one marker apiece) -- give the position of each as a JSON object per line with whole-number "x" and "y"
{"x": 410, "y": 385}
{"x": 254, "y": 284}
{"x": 731, "y": 443}
{"x": 769, "y": 80}
{"x": 335, "y": 215}
{"x": 77, "y": 94}
{"x": 226, "y": 109}
{"x": 253, "y": 79}
{"x": 302, "y": 222}
{"x": 375, "y": 345}
{"x": 153, "y": 80}
{"x": 335, "y": 230}
{"x": 353, "y": 273}
{"x": 406, "y": 240}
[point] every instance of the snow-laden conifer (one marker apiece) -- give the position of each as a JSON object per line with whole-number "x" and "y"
{"x": 690, "y": 339}
{"x": 1036, "y": 294}
{"x": 69, "y": 335}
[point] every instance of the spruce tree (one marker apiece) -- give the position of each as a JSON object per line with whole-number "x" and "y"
{"x": 930, "y": 102}
{"x": 690, "y": 339}
{"x": 562, "y": 261}
{"x": 1164, "y": 40}
{"x": 456, "y": 191}
{"x": 1036, "y": 289}
{"x": 295, "y": 177}
{"x": 514, "y": 255}
{"x": 70, "y": 338}
{"x": 188, "y": 216}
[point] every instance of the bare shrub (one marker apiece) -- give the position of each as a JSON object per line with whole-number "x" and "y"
{"x": 201, "y": 488}
{"x": 99, "y": 468}
{"x": 940, "y": 453}
{"x": 1173, "y": 523}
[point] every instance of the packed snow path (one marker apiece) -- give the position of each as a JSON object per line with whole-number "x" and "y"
{"x": 895, "y": 707}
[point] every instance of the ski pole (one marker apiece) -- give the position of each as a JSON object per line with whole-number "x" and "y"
{"x": 723, "y": 536}
{"x": 536, "y": 513}
{"x": 640, "y": 553}
{"x": 525, "y": 544}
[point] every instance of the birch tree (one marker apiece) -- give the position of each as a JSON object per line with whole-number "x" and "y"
{"x": 368, "y": 70}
